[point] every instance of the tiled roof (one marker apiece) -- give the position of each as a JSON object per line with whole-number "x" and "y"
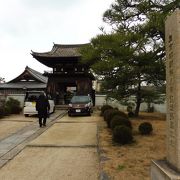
{"x": 23, "y": 85}
{"x": 37, "y": 75}
{"x": 62, "y": 50}
{"x": 38, "y": 81}
{"x": 33, "y": 73}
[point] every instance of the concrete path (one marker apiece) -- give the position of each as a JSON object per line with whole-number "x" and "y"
{"x": 13, "y": 123}
{"x": 18, "y": 132}
{"x": 67, "y": 150}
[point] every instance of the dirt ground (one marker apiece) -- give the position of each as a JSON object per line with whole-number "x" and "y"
{"x": 133, "y": 161}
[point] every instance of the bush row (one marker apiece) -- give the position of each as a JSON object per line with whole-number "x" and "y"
{"x": 121, "y": 126}
{"x": 11, "y": 106}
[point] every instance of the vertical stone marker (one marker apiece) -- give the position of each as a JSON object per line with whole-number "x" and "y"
{"x": 170, "y": 168}
{"x": 173, "y": 88}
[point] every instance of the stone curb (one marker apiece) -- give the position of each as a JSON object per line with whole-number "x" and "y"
{"x": 102, "y": 174}
{"x": 61, "y": 146}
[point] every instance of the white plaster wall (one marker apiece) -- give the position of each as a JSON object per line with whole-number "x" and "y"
{"x": 157, "y": 107}
{"x": 100, "y": 100}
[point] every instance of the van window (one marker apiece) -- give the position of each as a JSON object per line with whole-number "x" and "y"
{"x": 31, "y": 96}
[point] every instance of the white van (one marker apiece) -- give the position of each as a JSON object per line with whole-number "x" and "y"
{"x": 30, "y": 103}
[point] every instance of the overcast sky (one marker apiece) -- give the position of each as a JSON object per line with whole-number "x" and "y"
{"x": 27, "y": 25}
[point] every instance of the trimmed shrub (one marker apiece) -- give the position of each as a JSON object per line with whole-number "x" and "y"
{"x": 120, "y": 121}
{"x": 3, "y": 109}
{"x": 2, "y": 112}
{"x": 107, "y": 113}
{"x": 122, "y": 135}
{"x": 131, "y": 114}
{"x": 104, "y": 108}
{"x": 122, "y": 114}
{"x": 7, "y": 111}
{"x": 113, "y": 113}
{"x": 129, "y": 108}
{"x": 13, "y": 106}
{"x": 145, "y": 128}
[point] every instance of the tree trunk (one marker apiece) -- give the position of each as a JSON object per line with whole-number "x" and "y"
{"x": 149, "y": 107}
{"x": 138, "y": 100}
{"x": 138, "y": 103}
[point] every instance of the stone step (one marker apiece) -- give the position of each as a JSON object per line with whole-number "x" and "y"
{"x": 62, "y": 107}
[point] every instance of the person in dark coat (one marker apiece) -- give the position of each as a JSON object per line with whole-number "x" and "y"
{"x": 43, "y": 107}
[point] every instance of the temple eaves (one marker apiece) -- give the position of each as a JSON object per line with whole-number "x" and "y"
{"x": 61, "y": 50}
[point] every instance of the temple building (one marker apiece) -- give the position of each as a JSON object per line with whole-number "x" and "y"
{"x": 69, "y": 75}
{"x": 28, "y": 80}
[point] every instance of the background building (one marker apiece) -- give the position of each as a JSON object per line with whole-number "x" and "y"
{"x": 29, "y": 79}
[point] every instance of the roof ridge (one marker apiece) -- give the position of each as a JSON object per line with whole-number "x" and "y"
{"x": 69, "y": 45}
{"x": 61, "y": 51}
{"x": 37, "y": 74}
{"x": 33, "y": 70}
{"x": 34, "y": 52}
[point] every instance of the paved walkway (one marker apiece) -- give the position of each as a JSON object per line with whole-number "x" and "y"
{"x": 65, "y": 150}
{"x": 10, "y": 146}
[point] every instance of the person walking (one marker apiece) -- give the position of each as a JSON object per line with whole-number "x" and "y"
{"x": 43, "y": 107}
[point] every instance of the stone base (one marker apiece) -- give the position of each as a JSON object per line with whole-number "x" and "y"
{"x": 160, "y": 170}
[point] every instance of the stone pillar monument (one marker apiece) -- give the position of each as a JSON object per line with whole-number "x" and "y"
{"x": 170, "y": 168}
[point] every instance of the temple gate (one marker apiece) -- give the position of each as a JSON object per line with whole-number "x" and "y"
{"x": 69, "y": 76}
